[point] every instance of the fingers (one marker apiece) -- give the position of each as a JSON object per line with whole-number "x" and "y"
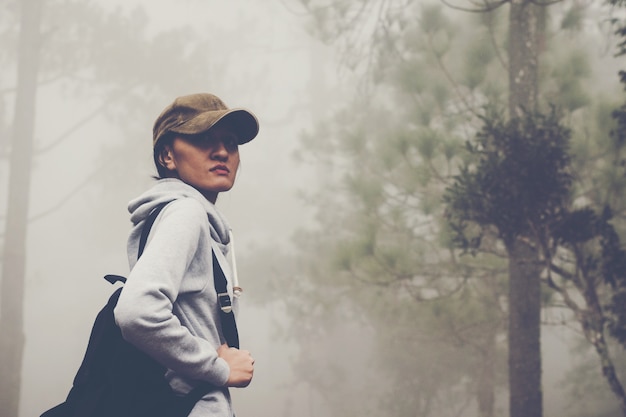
{"x": 241, "y": 364}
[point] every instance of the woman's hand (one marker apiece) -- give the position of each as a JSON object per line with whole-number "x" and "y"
{"x": 241, "y": 366}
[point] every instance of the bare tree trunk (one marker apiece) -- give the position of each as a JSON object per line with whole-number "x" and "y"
{"x": 608, "y": 368}
{"x": 593, "y": 321}
{"x": 525, "y": 398}
{"x": 485, "y": 394}
{"x": 524, "y": 36}
{"x": 524, "y": 331}
{"x": 594, "y": 326}
{"x": 14, "y": 256}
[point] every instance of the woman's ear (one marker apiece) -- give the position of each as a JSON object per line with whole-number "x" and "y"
{"x": 166, "y": 159}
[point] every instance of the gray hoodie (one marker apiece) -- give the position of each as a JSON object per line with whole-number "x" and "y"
{"x": 168, "y": 307}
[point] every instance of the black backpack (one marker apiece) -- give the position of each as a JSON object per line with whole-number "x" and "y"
{"x": 115, "y": 379}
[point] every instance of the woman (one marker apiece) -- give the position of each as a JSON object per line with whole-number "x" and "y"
{"x": 169, "y": 306}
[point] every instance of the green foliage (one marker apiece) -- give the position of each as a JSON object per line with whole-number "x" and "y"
{"x": 601, "y": 259}
{"x": 620, "y": 26}
{"x": 613, "y": 271}
{"x": 597, "y": 155}
{"x": 575, "y": 227}
{"x": 568, "y": 75}
{"x": 519, "y": 183}
{"x": 619, "y": 133}
{"x": 617, "y": 314}
{"x": 518, "y": 179}
{"x": 574, "y": 17}
{"x": 432, "y": 19}
{"x": 397, "y": 150}
{"x": 478, "y": 56}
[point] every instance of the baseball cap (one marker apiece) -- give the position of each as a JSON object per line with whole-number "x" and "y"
{"x": 197, "y": 113}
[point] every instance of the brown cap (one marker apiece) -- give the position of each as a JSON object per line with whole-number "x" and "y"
{"x": 197, "y": 113}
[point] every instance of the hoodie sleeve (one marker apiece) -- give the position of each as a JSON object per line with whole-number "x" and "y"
{"x": 144, "y": 311}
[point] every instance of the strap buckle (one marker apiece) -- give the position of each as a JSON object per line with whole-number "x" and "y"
{"x": 225, "y": 304}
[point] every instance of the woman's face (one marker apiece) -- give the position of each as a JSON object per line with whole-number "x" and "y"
{"x": 207, "y": 162}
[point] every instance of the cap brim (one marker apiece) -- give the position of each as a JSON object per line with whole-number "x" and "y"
{"x": 241, "y": 121}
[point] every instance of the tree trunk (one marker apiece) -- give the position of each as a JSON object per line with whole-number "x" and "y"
{"x": 525, "y": 395}
{"x": 525, "y": 32}
{"x": 608, "y": 368}
{"x": 14, "y": 255}
{"x": 485, "y": 388}
{"x": 593, "y": 322}
{"x": 524, "y": 331}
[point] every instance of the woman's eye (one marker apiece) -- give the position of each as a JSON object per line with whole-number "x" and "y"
{"x": 230, "y": 141}
{"x": 204, "y": 139}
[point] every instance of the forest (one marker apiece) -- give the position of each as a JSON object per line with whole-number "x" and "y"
{"x": 431, "y": 223}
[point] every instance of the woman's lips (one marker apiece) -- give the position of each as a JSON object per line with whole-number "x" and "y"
{"x": 220, "y": 169}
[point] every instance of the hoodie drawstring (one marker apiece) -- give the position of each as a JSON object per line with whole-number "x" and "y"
{"x": 237, "y": 290}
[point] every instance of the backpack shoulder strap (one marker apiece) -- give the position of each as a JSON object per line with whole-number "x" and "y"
{"x": 143, "y": 239}
{"x": 147, "y": 226}
{"x": 229, "y": 326}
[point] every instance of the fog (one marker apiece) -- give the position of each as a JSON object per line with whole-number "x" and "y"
{"x": 262, "y": 57}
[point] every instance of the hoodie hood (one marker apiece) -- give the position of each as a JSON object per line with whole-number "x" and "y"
{"x": 170, "y": 189}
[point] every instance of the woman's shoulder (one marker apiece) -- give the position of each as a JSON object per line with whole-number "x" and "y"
{"x": 185, "y": 208}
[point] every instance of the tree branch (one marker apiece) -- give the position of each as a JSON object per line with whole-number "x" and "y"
{"x": 68, "y": 196}
{"x": 487, "y": 8}
{"x": 454, "y": 84}
{"x": 63, "y": 136}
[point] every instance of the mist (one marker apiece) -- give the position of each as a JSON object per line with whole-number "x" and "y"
{"x": 93, "y": 135}
{"x": 263, "y": 60}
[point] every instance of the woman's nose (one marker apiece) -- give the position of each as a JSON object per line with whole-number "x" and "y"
{"x": 219, "y": 151}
